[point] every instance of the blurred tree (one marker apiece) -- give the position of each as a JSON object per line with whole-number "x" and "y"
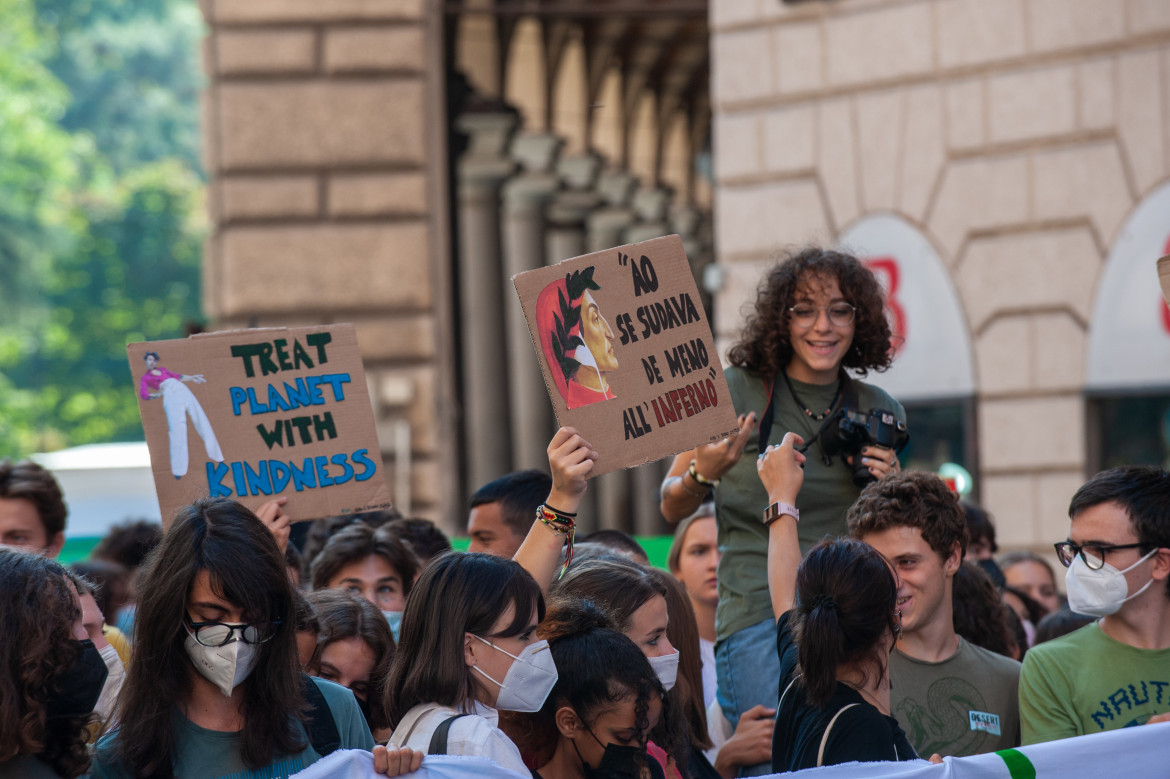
{"x": 100, "y": 209}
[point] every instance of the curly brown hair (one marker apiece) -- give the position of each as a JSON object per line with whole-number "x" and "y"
{"x": 763, "y": 348}
{"x": 911, "y": 499}
{"x": 37, "y": 612}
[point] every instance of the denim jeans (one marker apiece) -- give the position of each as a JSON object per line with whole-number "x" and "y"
{"x": 748, "y": 670}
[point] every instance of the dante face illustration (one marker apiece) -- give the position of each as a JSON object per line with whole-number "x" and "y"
{"x": 576, "y": 339}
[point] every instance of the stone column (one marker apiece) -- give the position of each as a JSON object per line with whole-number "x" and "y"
{"x": 606, "y": 226}
{"x": 650, "y": 207}
{"x": 525, "y": 196}
{"x": 481, "y": 171}
{"x": 566, "y": 214}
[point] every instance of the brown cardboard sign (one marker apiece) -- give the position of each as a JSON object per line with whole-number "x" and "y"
{"x": 1164, "y": 277}
{"x": 256, "y": 414}
{"x": 626, "y": 351}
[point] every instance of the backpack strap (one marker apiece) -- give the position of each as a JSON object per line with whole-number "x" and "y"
{"x": 825, "y": 737}
{"x": 320, "y": 725}
{"x": 438, "y": 745}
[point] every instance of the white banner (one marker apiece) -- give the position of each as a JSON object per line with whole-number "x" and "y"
{"x": 1138, "y": 752}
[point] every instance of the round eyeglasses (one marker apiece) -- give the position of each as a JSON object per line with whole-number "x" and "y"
{"x": 840, "y": 314}
{"x": 215, "y": 634}
{"x": 1092, "y": 554}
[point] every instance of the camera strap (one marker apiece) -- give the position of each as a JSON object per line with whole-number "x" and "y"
{"x": 846, "y": 398}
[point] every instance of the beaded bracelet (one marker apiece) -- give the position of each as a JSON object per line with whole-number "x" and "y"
{"x": 561, "y": 523}
{"x": 702, "y": 480}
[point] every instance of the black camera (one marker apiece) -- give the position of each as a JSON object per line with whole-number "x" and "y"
{"x": 851, "y": 431}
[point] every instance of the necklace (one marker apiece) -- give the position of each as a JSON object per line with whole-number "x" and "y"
{"x": 807, "y": 411}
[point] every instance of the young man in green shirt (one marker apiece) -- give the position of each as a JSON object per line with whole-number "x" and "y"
{"x": 1115, "y": 672}
{"x": 950, "y": 696}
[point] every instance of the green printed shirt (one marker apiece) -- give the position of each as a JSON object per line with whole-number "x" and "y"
{"x": 740, "y": 498}
{"x": 1087, "y": 682}
{"x": 964, "y": 705}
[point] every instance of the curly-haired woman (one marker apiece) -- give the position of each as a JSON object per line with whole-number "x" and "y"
{"x": 817, "y": 313}
{"x": 50, "y": 673}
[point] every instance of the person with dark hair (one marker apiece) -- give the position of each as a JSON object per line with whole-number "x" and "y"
{"x": 127, "y": 544}
{"x": 93, "y": 621}
{"x": 319, "y": 532}
{"x": 50, "y": 673}
{"x": 469, "y": 649}
{"x": 214, "y": 686}
{"x": 354, "y": 649}
{"x": 501, "y": 511}
{"x": 693, "y": 559}
{"x": 817, "y": 315}
{"x": 1060, "y": 623}
{"x": 1032, "y": 575}
{"x": 915, "y": 521}
{"x": 620, "y": 543}
{"x": 371, "y": 563}
{"x": 604, "y": 705}
{"x": 1027, "y": 611}
{"x": 981, "y": 545}
{"x": 837, "y": 621}
{"x": 32, "y": 508}
{"x": 1107, "y": 674}
{"x": 979, "y": 612}
{"x": 306, "y": 626}
{"x": 422, "y": 535}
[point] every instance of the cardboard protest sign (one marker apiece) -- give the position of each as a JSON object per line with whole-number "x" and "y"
{"x": 627, "y": 354}
{"x": 1164, "y": 277}
{"x": 255, "y": 414}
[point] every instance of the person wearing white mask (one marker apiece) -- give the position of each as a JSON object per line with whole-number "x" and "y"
{"x": 93, "y": 621}
{"x": 1111, "y": 673}
{"x": 469, "y": 650}
{"x": 214, "y": 686}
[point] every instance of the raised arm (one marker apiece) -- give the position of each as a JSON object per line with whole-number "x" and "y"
{"x": 570, "y": 459}
{"x": 781, "y": 470}
{"x": 683, "y": 490}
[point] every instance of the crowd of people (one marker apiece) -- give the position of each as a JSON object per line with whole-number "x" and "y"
{"x": 821, "y": 606}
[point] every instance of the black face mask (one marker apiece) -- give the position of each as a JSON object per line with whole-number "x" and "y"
{"x": 993, "y": 571}
{"x": 364, "y": 705}
{"x": 75, "y": 692}
{"x": 618, "y": 762}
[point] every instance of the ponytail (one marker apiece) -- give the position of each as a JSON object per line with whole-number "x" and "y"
{"x": 846, "y": 598}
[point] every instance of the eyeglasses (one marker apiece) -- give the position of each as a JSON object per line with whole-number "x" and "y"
{"x": 215, "y": 634}
{"x": 840, "y": 314}
{"x": 1092, "y": 554}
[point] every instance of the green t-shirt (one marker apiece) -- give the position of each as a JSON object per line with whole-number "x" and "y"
{"x": 1087, "y": 682}
{"x": 211, "y": 754}
{"x": 964, "y": 705}
{"x": 740, "y": 498}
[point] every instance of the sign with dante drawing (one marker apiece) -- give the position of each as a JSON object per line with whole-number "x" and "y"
{"x": 626, "y": 351}
{"x": 255, "y": 414}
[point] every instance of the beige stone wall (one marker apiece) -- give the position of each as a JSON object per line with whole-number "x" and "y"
{"x": 1016, "y": 134}
{"x": 326, "y": 195}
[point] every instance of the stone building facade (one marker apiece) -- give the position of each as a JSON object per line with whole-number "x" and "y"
{"x": 1017, "y": 136}
{"x": 391, "y": 162}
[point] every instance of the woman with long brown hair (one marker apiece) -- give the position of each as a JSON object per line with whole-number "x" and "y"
{"x": 214, "y": 686}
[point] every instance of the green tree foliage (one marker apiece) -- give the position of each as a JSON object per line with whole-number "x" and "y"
{"x": 100, "y": 209}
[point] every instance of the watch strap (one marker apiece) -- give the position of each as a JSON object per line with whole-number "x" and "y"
{"x": 775, "y": 510}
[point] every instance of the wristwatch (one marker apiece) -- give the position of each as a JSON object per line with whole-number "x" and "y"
{"x": 776, "y": 510}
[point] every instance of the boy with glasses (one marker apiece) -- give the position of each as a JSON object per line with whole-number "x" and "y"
{"x": 1114, "y": 672}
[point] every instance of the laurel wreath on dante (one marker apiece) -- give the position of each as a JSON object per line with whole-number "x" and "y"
{"x": 564, "y": 341}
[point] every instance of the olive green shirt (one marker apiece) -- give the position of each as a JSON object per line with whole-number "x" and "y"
{"x": 740, "y": 498}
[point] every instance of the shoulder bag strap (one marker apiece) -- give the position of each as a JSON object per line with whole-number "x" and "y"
{"x": 438, "y": 745}
{"x": 322, "y": 729}
{"x": 825, "y": 737}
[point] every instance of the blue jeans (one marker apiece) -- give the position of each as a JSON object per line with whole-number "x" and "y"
{"x": 748, "y": 670}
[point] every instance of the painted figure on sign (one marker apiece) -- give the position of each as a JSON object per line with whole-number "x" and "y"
{"x": 576, "y": 339}
{"x": 178, "y": 403}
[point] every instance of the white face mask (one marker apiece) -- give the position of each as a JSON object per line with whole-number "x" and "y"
{"x": 1101, "y": 592}
{"x": 666, "y": 666}
{"x": 224, "y": 666}
{"x": 529, "y": 680}
{"x": 113, "y": 685}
